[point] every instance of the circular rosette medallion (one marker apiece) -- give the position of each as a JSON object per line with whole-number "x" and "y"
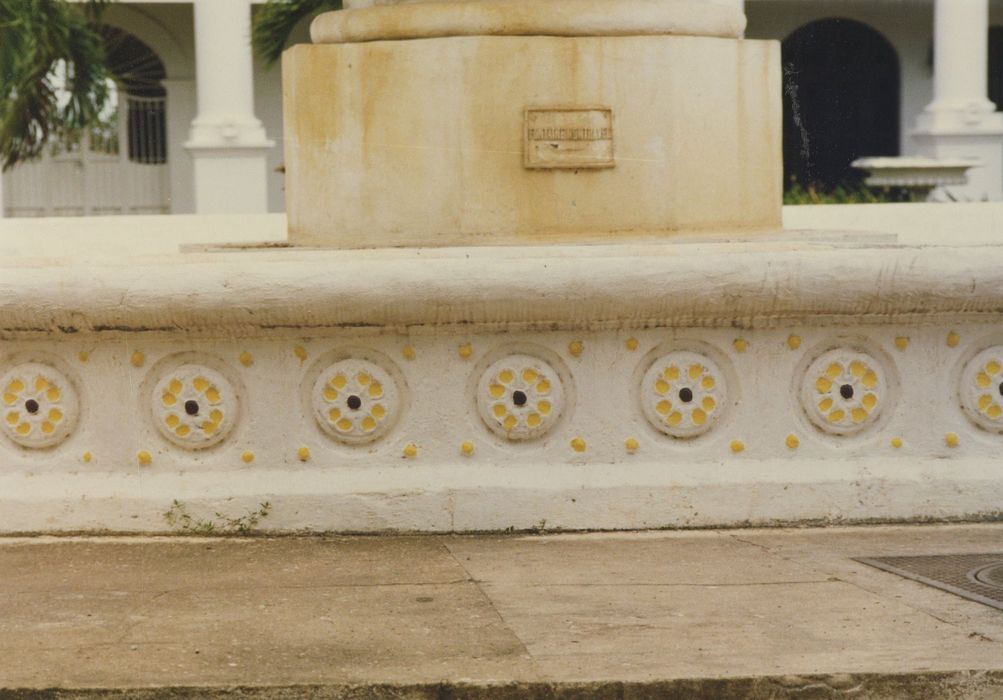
{"x": 355, "y": 401}
{"x": 39, "y": 405}
{"x": 520, "y": 397}
{"x": 842, "y": 391}
{"x": 683, "y": 393}
{"x": 194, "y": 406}
{"x": 982, "y": 389}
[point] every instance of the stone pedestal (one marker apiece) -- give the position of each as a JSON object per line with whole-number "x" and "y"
{"x": 463, "y": 138}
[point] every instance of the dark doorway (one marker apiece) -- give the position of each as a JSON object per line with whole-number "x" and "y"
{"x": 140, "y": 74}
{"x": 841, "y": 101}
{"x": 995, "y": 87}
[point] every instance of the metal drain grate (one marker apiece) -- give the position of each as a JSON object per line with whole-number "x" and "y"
{"x": 978, "y": 577}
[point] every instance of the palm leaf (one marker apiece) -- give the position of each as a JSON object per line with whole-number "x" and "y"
{"x": 53, "y": 79}
{"x": 275, "y": 21}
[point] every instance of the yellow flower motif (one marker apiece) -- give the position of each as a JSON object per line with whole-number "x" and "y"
{"x": 520, "y": 397}
{"x": 355, "y": 400}
{"x": 38, "y": 405}
{"x": 982, "y": 389}
{"x": 682, "y": 393}
{"x": 843, "y": 391}
{"x": 193, "y": 405}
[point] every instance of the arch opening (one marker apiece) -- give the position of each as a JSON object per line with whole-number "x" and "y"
{"x": 841, "y": 102}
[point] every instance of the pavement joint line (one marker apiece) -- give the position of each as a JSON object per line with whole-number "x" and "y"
{"x": 824, "y": 568}
{"x": 230, "y": 589}
{"x": 630, "y": 584}
{"x": 491, "y": 603}
{"x": 907, "y": 601}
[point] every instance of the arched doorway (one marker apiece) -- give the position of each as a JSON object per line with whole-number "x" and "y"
{"x": 117, "y": 165}
{"x": 995, "y": 86}
{"x": 841, "y": 101}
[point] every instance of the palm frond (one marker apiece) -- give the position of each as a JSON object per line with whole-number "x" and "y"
{"x": 53, "y": 78}
{"x": 275, "y": 20}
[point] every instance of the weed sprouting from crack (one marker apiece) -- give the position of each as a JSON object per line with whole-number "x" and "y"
{"x": 178, "y": 517}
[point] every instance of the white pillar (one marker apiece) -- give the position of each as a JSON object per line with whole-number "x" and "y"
{"x": 960, "y": 50}
{"x": 961, "y": 121}
{"x": 226, "y": 141}
{"x": 2, "y": 205}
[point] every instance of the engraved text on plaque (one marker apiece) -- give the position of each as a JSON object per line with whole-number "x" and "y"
{"x": 568, "y": 137}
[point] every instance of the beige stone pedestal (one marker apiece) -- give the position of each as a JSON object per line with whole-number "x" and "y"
{"x": 473, "y": 139}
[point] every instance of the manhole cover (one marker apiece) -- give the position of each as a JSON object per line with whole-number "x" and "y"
{"x": 978, "y": 577}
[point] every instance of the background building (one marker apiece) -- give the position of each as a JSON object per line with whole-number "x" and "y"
{"x": 199, "y": 122}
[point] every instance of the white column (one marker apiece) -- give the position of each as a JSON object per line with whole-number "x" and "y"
{"x": 226, "y": 141}
{"x": 960, "y": 50}
{"x": 961, "y": 121}
{"x": 181, "y": 110}
{"x": 2, "y": 207}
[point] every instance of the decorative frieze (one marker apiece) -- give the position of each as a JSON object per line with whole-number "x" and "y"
{"x": 844, "y": 391}
{"x": 355, "y": 400}
{"x": 40, "y": 407}
{"x": 194, "y": 406}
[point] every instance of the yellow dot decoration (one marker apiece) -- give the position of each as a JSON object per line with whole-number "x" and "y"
{"x": 83, "y": 356}
{"x": 951, "y": 440}
{"x": 792, "y": 441}
{"x": 466, "y": 350}
{"x": 246, "y": 359}
{"x": 137, "y": 359}
{"x": 303, "y": 454}
{"x": 247, "y": 457}
{"x": 793, "y": 342}
{"x": 740, "y": 345}
{"x": 578, "y": 445}
{"x": 467, "y": 448}
{"x": 902, "y": 342}
{"x": 631, "y": 344}
{"x": 300, "y": 352}
{"x": 575, "y": 348}
{"x": 737, "y": 446}
{"x": 411, "y": 450}
{"x": 144, "y": 458}
{"x": 87, "y": 457}
{"x": 631, "y": 445}
{"x": 896, "y": 442}
{"x": 953, "y": 339}
{"x": 408, "y": 352}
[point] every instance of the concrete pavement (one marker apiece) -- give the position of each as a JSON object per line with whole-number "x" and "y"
{"x": 729, "y": 613}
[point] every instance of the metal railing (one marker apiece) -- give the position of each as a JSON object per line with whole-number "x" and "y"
{"x": 97, "y": 176}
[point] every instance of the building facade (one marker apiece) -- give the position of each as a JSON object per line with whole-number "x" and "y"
{"x": 199, "y": 126}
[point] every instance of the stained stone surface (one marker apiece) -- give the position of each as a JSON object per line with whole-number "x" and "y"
{"x": 777, "y": 605}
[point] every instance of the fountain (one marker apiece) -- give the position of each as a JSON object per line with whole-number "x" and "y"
{"x": 535, "y": 277}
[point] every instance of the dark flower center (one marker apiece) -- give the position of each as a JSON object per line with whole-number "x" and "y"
{"x": 31, "y": 406}
{"x": 519, "y": 398}
{"x": 685, "y": 394}
{"x": 192, "y": 407}
{"x": 354, "y": 402}
{"x": 846, "y": 391}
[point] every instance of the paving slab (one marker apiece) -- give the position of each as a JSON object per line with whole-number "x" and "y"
{"x": 734, "y": 613}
